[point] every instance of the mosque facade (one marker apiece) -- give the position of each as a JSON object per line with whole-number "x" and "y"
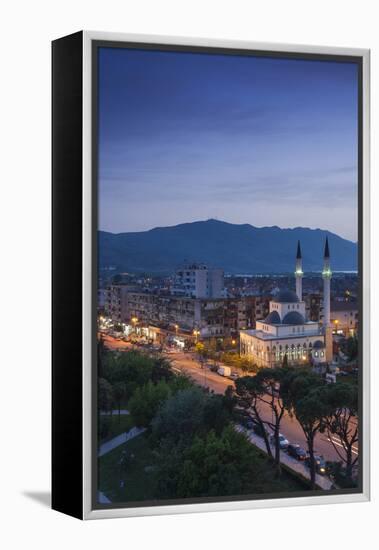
{"x": 286, "y": 331}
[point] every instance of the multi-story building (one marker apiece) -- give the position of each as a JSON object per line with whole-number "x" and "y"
{"x": 188, "y": 314}
{"x": 185, "y": 306}
{"x": 344, "y": 317}
{"x": 212, "y": 317}
{"x": 115, "y": 302}
{"x": 198, "y": 281}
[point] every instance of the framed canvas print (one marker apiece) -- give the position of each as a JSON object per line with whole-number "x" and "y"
{"x": 210, "y": 275}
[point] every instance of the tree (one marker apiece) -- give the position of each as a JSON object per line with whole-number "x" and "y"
{"x": 119, "y": 394}
{"x": 104, "y": 395}
{"x": 181, "y": 382}
{"x": 341, "y": 422}
{"x": 200, "y": 349}
{"x": 303, "y": 398}
{"x": 188, "y": 412}
{"x": 229, "y": 399}
{"x": 181, "y": 416}
{"x": 352, "y": 347}
{"x": 212, "y": 465}
{"x": 250, "y": 392}
{"x": 216, "y": 413}
{"x": 161, "y": 369}
{"x": 101, "y": 351}
{"x": 220, "y": 465}
{"x": 132, "y": 368}
{"x": 270, "y": 392}
{"x": 146, "y": 401}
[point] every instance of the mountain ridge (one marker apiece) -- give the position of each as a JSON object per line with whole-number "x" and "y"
{"x": 237, "y": 248}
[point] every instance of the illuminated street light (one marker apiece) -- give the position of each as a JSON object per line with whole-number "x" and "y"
{"x": 196, "y": 334}
{"x": 134, "y": 321}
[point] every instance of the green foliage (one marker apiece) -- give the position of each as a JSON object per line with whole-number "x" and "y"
{"x": 341, "y": 396}
{"x": 119, "y": 393}
{"x": 104, "y": 427}
{"x": 132, "y": 368}
{"x": 340, "y": 475}
{"x": 110, "y": 426}
{"x": 215, "y": 465}
{"x": 146, "y": 401}
{"x": 216, "y": 414}
{"x": 341, "y": 402}
{"x": 136, "y": 472}
{"x": 248, "y": 388}
{"x": 181, "y": 382}
{"x": 161, "y": 369}
{"x": 351, "y": 347}
{"x": 234, "y": 360}
{"x": 104, "y": 395}
{"x": 303, "y": 394}
{"x": 222, "y": 465}
{"x": 181, "y": 416}
{"x": 190, "y": 412}
{"x": 200, "y": 349}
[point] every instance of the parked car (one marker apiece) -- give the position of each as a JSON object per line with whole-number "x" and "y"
{"x": 283, "y": 442}
{"x": 249, "y": 424}
{"x": 273, "y": 390}
{"x": 234, "y": 376}
{"x": 320, "y": 464}
{"x": 224, "y": 371}
{"x": 244, "y": 420}
{"x": 296, "y": 452}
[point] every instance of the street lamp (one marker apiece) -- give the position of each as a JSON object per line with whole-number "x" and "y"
{"x": 196, "y": 334}
{"x": 134, "y": 322}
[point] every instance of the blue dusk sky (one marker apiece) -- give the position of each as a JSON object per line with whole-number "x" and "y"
{"x": 190, "y": 136}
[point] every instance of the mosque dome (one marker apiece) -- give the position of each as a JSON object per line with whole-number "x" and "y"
{"x": 273, "y": 318}
{"x": 293, "y": 318}
{"x": 286, "y": 297}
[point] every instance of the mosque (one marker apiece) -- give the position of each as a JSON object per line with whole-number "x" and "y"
{"x": 286, "y": 331}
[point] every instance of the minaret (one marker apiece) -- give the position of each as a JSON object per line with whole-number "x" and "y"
{"x": 299, "y": 273}
{"x": 326, "y": 275}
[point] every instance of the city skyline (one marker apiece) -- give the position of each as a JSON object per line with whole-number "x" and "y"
{"x": 186, "y": 137}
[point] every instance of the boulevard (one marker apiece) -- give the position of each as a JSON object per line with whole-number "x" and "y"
{"x": 187, "y": 363}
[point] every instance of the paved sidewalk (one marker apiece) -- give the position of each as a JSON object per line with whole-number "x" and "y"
{"x": 119, "y": 440}
{"x": 322, "y": 481}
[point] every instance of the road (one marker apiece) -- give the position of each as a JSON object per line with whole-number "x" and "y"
{"x": 114, "y": 344}
{"x": 290, "y": 428}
